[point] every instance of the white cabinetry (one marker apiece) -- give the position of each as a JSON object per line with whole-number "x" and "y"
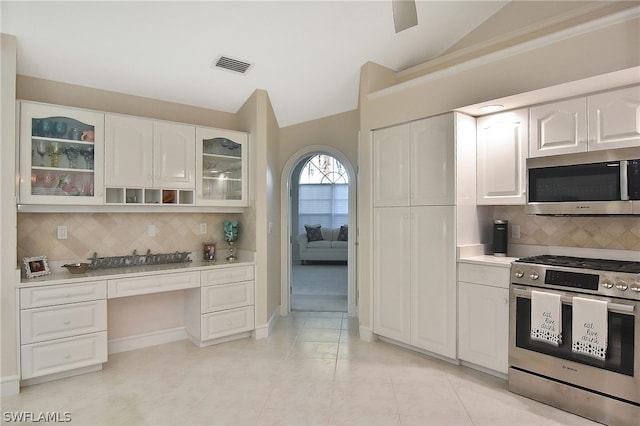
{"x": 61, "y": 155}
{"x": 483, "y": 306}
{"x": 149, "y": 161}
{"x": 134, "y": 286}
{"x": 414, "y": 239}
{"x": 558, "y": 128}
{"x": 221, "y": 167}
{"x": 605, "y": 120}
{"x": 62, "y": 328}
{"x": 614, "y": 119}
{"x": 502, "y": 144}
{"x": 223, "y": 309}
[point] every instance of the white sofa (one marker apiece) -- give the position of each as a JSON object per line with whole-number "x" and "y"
{"x": 328, "y": 249}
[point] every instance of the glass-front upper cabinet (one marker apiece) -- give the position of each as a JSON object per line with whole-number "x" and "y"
{"x": 222, "y": 157}
{"x": 61, "y": 155}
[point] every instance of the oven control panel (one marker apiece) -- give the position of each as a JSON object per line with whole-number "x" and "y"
{"x": 606, "y": 283}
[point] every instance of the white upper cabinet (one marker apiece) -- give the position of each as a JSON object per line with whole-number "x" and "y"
{"x": 614, "y": 119}
{"x": 558, "y": 128}
{"x": 61, "y": 155}
{"x": 128, "y": 148}
{"x": 221, "y": 167}
{"x": 502, "y": 145}
{"x": 605, "y": 120}
{"x": 432, "y": 161}
{"x": 391, "y": 166}
{"x": 414, "y": 163}
{"x": 174, "y": 155}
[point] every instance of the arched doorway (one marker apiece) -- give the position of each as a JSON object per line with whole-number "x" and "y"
{"x": 292, "y": 171}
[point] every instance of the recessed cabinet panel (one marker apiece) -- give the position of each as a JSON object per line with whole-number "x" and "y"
{"x": 501, "y": 154}
{"x": 391, "y": 166}
{"x": 35, "y": 297}
{"x": 55, "y": 322}
{"x": 227, "y": 296}
{"x": 128, "y": 148}
{"x": 391, "y": 274}
{"x": 614, "y": 119}
{"x": 61, "y": 155}
{"x": 226, "y": 323}
{"x": 222, "y": 161}
{"x": 558, "y": 128}
{"x": 174, "y": 155}
{"x": 432, "y": 161}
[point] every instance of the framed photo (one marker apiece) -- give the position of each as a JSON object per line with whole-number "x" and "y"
{"x": 36, "y": 266}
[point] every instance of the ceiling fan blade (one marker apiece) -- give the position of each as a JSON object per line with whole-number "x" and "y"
{"x": 404, "y": 14}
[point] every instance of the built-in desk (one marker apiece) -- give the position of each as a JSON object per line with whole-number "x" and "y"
{"x": 63, "y": 316}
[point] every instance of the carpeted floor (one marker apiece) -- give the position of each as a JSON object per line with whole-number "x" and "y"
{"x": 319, "y": 287}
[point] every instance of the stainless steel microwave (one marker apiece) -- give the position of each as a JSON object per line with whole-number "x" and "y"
{"x": 592, "y": 183}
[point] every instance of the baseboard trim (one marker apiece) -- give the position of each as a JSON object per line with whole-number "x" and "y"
{"x": 10, "y": 385}
{"x": 130, "y": 343}
{"x": 366, "y": 334}
{"x": 263, "y": 331}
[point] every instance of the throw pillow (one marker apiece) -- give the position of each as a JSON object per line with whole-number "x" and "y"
{"x": 314, "y": 233}
{"x": 343, "y": 235}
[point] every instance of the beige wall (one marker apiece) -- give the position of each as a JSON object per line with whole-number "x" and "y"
{"x": 602, "y": 50}
{"x": 339, "y": 131}
{"x": 8, "y": 337}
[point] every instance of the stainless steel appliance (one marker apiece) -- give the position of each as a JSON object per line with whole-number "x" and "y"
{"x": 597, "y": 182}
{"x": 606, "y": 390}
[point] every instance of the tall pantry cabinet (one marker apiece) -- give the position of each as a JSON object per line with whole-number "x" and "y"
{"x": 414, "y": 220}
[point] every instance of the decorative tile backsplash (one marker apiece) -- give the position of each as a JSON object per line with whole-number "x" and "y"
{"x": 115, "y": 234}
{"x": 604, "y": 232}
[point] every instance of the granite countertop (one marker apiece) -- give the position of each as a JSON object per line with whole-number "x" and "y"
{"x": 66, "y": 277}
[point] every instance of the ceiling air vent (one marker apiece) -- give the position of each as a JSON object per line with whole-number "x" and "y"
{"x": 231, "y": 64}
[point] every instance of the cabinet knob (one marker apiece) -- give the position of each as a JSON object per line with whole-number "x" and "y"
{"x": 67, "y": 322}
{"x": 67, "y": 356}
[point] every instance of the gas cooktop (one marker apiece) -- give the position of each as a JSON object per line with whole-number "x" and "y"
{"x": 622, "y": 266}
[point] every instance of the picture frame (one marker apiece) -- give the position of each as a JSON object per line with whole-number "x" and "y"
{"x": 36, "y": 266}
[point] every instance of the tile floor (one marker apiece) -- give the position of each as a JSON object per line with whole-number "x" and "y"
{"x": 313, "y": 370}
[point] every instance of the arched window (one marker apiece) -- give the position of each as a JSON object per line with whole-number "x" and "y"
{"x": 323, "y": 193}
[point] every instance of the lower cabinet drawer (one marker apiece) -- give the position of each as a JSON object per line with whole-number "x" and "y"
{"x": 48, "y": 295}
{"x": 227, "y": 323}
{"x": 54, "y": 322}
{"x": 152, "y": 284}
{"x": 227, "y": 275}
{"x": 227, "y": 296}
{"x": 494, "y": 276}
{"x": 41, "y": 359}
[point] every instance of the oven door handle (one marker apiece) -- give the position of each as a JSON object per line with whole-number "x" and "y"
{"x": 613, "y": 307}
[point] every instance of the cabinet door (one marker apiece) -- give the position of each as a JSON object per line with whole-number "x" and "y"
{"x": 391, "y": 273}
{"x": 221, "y": 167}
{"x": 484, "y": 326}
{"x": 433, "y": 161}
{"x": 61, "y": 155}
{"x": 433, "y": 279}
{"x": 128, "y": 151}
{"x": 558, "y": 128}
{"x": 174, "y": 155}
{"x": 614, "y": 119}
{"x": 391, "y": 166}
{"x": 502, "y": 146}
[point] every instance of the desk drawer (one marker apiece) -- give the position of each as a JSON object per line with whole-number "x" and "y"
{"x": 54, "y": 322}
{"x": 227, "y": 275}
{"x": 41, "y": 359}
{"x": 152, "y": 284}
{"x": 227, "y": 296}
{"x": 494, "y": 276}
{"x": 36, "y": 297}
{"x": 227, "y": 323}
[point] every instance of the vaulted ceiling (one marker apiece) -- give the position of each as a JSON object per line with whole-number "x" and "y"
{"x": 306, "y": 54}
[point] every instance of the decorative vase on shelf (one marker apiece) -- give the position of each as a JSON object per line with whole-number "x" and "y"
{"x": 231, "y": 236}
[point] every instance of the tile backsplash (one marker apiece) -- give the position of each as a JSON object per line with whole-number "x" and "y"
{"x": 601, "y": 232}
{"x": 117, "y": 234}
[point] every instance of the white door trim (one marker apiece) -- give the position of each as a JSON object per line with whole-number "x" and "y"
{"x": 285, "y": 266}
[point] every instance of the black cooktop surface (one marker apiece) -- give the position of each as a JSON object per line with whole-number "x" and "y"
{"x": 623, "y": 266}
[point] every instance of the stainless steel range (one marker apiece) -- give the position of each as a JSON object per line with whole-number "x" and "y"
{"x": 603, "y": 386}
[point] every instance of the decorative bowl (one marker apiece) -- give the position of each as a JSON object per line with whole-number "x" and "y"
{"x": 77, "y": 268}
